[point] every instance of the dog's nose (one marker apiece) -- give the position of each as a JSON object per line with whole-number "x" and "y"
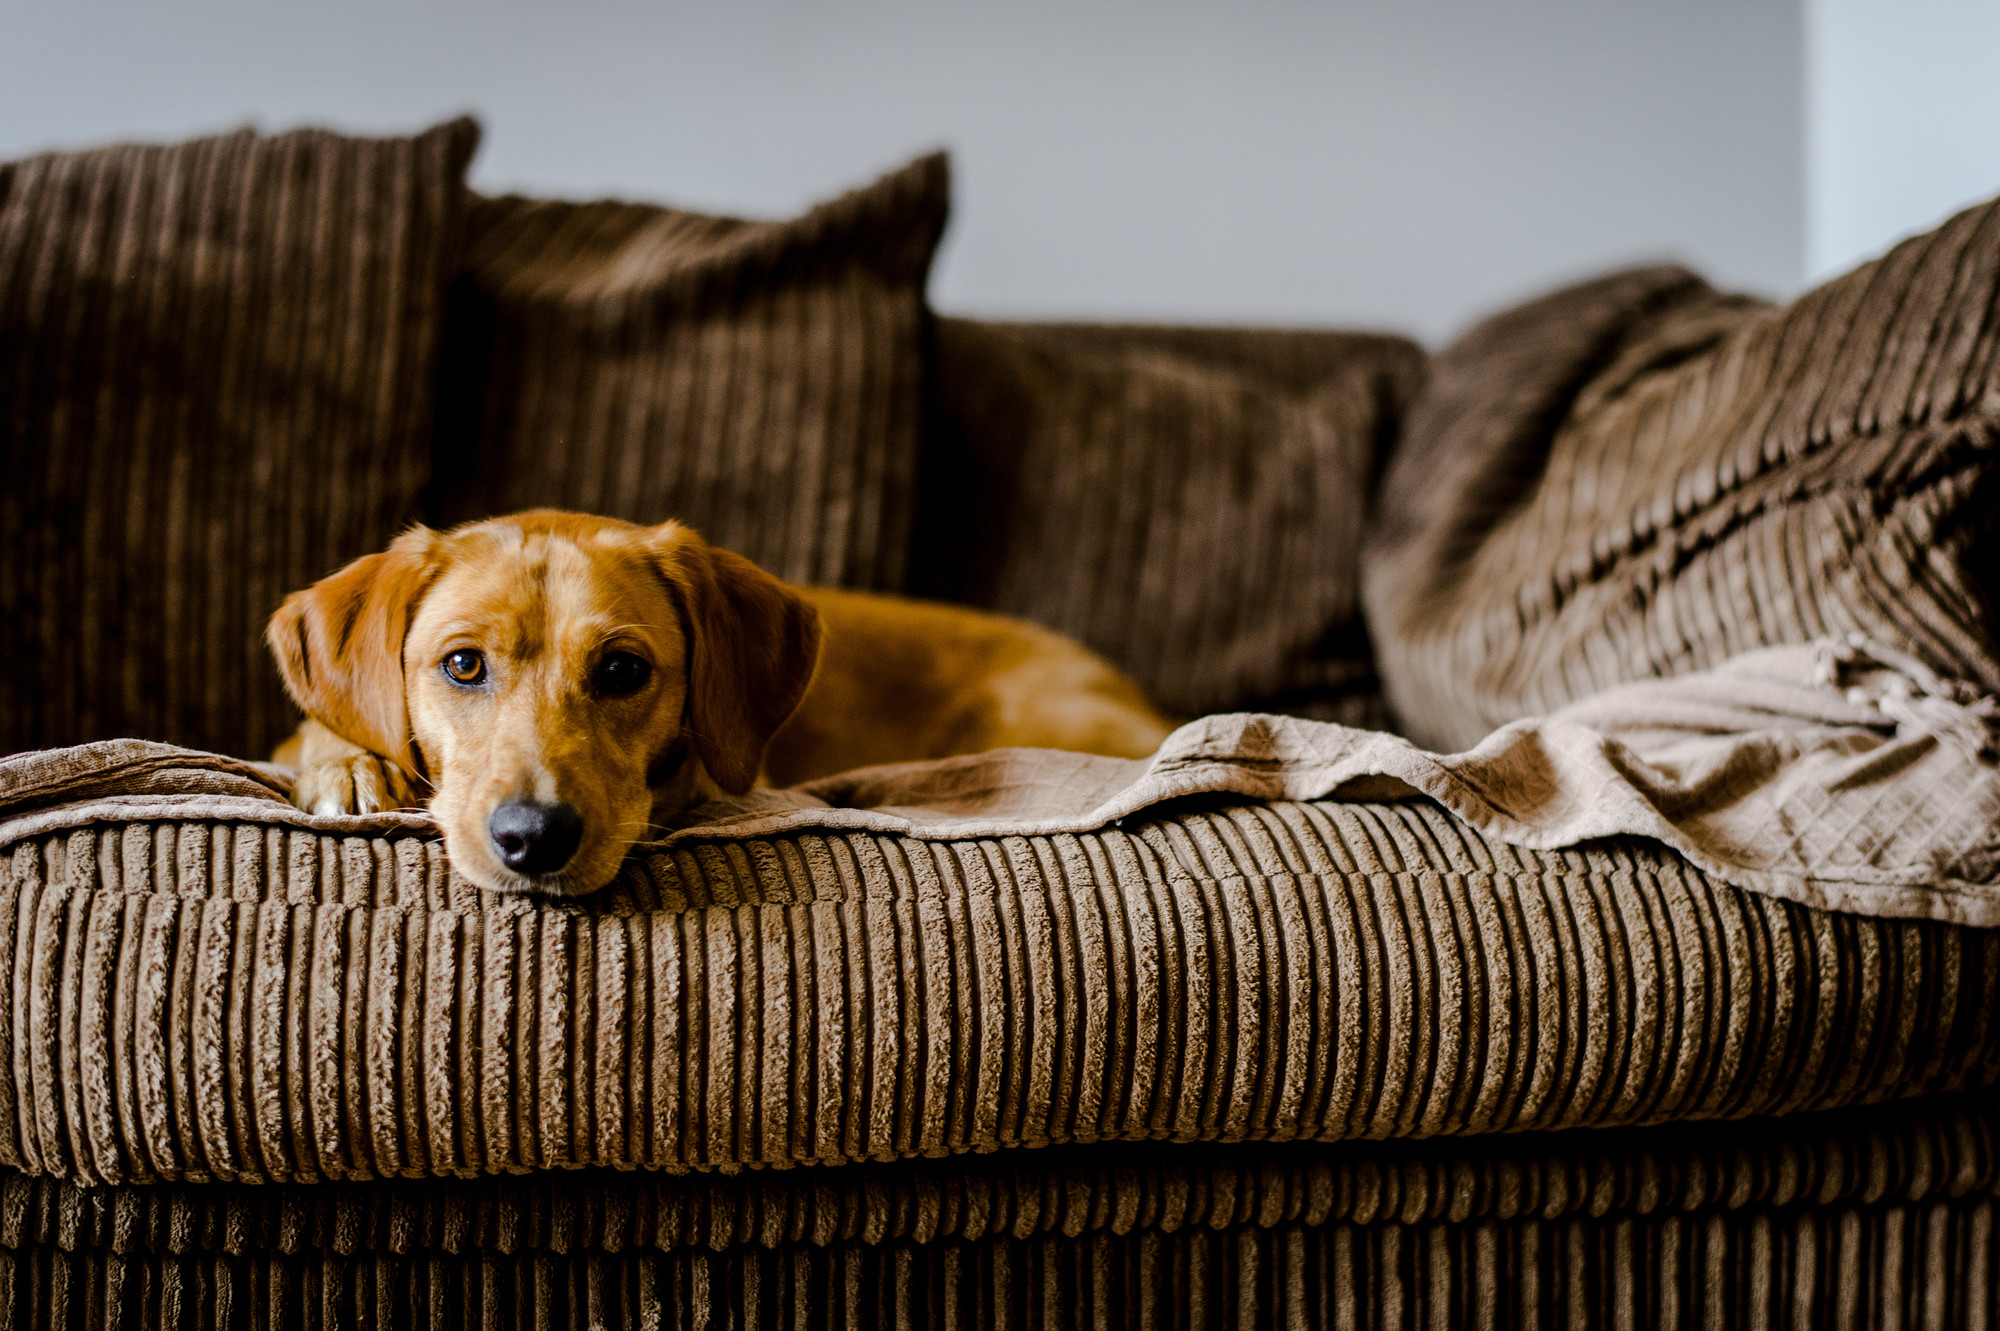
{"x": 535, "y": 839}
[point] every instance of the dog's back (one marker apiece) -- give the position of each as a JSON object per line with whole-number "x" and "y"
{"x": 902, "y": 681}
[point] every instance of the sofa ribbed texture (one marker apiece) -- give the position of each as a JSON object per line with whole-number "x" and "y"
{"x": 216, "y": 385}
{"x": 1639, "y": 477}
{"x": 1874, "y": 1219}
{"x": 1226, "y": 1063}
{"x": 1186, "y": 501}
{"x": 246, "y": 1002}
{"x": 760, "y": 381}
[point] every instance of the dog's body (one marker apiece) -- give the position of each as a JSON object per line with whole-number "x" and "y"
{"x": 903, "y": 680}
{"x": 552, "y": 685}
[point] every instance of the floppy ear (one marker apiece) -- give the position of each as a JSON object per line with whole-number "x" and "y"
{"x": 753, "y": 646}
{"x": 339, "y": 645}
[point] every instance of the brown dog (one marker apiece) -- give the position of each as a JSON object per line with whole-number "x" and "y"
{"x": 552, "y": 684}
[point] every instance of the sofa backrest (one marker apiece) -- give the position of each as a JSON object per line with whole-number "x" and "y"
{"x": 1188, "y": 501}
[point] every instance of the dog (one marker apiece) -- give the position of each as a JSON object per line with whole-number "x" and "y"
{"x": 552, "y": 686}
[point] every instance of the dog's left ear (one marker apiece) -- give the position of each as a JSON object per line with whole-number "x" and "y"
{"x": 753, "y": 650}
{"x": 339, "y": 645}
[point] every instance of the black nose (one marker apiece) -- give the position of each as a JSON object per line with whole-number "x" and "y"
{"x": 535, "y": 839}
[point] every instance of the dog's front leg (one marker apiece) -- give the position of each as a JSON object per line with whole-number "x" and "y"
{"x": 338, "y": 777}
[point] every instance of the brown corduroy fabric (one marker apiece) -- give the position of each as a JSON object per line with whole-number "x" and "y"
{"x": 1187, "y": 501}
{"x": 244, "y": 1001}
{"x": 1863, "y": 1219}
{"x": 761, "y": 381}
{"x": 1640, "y": 477}
{"x": 216, "y": 369}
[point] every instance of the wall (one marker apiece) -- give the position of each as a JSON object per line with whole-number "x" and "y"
{"x": 1903, "y": 115}
{"x": 1407, "y": 165}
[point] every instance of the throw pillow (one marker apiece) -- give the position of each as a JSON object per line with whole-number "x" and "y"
{"x": 761, "y": 381}
{"x": 1640, "y": 476}
{"x": 216, "y": 369}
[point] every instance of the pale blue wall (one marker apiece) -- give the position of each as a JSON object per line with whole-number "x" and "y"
{"x": 1406, "y": 164}
{"x": 1903, "y": 120}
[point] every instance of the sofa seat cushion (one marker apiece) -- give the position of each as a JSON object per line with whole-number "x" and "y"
{"x": 216, "y": 385}
{"x": 214, "y": 985}
{"x": 761, "y": 381}
{"x": 1187, "y": 501}
{"x": 1639, "y": 477}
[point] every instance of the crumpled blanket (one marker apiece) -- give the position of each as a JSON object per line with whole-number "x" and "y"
{"x": 1841, "y": 774}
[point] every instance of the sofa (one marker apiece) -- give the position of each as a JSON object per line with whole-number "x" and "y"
{"x": 1333, "y": 1059}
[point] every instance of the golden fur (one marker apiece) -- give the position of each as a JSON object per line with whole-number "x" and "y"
{"x": 746, "y": 679}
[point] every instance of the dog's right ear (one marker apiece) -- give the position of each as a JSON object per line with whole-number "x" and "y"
{"x": 339, "y": 645}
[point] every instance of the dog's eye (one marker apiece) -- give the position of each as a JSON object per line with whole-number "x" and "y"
{"x": 465, "y": 666}
{"x": 621, "y": 673}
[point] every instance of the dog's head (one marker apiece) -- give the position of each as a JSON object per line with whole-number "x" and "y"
{"x": 550, "y": 676}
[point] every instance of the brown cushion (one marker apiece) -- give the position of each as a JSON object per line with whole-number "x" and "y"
{"x": 199, "y": 981}
{"x": 1186, "y": 501}
{"x": 216, "y": 363}
{"x": 762, "y": 381}
{"x": 1639, "y": 476}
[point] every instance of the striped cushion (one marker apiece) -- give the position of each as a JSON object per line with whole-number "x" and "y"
{"x": 761, "y": 381}
{"x": 244, "y": 1000}
{"x": 1639, "y": 476}
{"x": 216, "y": 367}
{"x": 1186, "y": 501}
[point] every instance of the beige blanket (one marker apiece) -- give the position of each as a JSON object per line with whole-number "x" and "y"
{"x": 1839, "y": 775}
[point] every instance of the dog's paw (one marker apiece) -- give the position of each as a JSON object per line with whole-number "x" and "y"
{"x": 360, "y": 784}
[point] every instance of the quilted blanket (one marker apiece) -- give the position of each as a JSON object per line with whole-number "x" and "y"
{"x": 1842, "y": 775}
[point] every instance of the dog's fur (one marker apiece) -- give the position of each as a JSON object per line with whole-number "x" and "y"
{"x": 732, "y": 697}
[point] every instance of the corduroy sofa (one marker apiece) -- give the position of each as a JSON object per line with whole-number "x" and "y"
{"x": 1226, "y": 1063}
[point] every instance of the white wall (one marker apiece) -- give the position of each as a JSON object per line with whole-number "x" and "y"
{"x": 1406, "y": 164}
{"x": 1903, "y": 120}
